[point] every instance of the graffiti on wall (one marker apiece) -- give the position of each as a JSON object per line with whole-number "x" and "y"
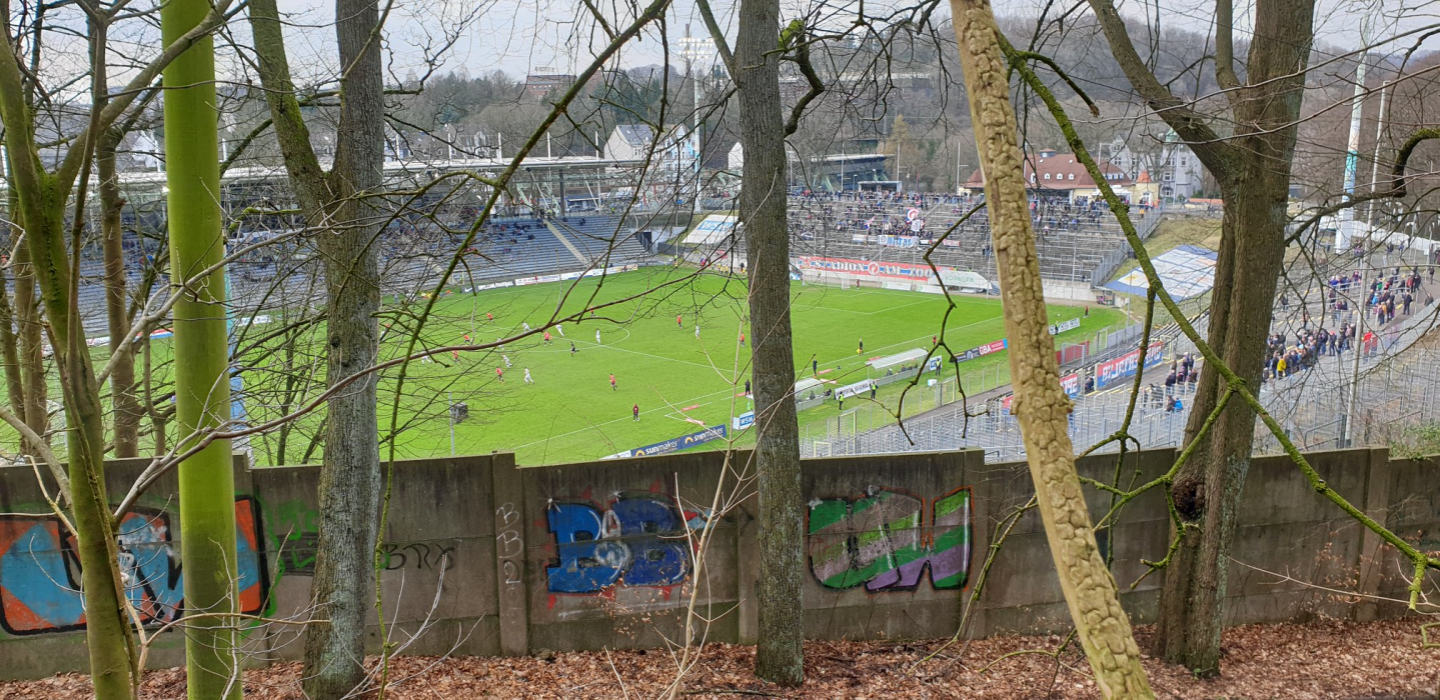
{"x": 418, "y": 555}
{"x": 888, "y": 539}
{"x": 639, "y": 540}
{"x": 294, "y": 529}
{"x": 40, "y": 573}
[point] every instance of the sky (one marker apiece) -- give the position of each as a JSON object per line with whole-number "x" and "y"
{"x": 523, "y": 37}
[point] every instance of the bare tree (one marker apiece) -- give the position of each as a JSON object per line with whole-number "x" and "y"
{"x": 755, "y": 68}
{"x": 1040, "y": 404}
{"x": 124, "y": 391}
{"x": 1252, "y": 166}
{"x": 341, "y": 205}
{"x": 52, "y": 242}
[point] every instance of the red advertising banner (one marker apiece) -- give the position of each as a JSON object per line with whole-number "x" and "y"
{"x": 868, "y": 268}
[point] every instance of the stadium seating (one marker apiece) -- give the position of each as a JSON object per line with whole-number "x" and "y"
{"x": 413, "y": 255}
{"x": 1074, "y": 241}
{"x": 599, "y": 239}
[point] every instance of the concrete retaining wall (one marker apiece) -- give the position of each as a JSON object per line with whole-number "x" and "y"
{"x": 1068, "y": 290}
{"x": 484, "y": 558}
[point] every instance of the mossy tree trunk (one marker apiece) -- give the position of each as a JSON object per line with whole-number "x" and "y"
{"x": 1040, "y": 404}
{"x": 41, "y": 199}
{"x": 202, "y": 357}
{"x": 30, "y": 329}
{"x": 9, "y": 330}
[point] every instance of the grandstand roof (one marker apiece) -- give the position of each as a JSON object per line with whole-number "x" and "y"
{"x": 393, "y": 168}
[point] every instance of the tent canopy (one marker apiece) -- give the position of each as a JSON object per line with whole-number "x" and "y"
{"x": 807, "y": 384}
{"x": 881, "y": 363}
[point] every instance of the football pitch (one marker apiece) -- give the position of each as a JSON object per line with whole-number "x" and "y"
{"x": 570, "y": 412}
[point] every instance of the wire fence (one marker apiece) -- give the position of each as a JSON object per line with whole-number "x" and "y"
{"x": 841, "y": 434}
{"x": 1380, "y": 399}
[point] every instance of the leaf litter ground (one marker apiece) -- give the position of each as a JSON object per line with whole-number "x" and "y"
{"x": 1320, "y": 660}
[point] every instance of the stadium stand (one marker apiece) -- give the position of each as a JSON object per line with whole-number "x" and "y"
{"x": 413, "y": 255}
{"x": 1080, "y": 243}
{"x": 1076, "y": 242}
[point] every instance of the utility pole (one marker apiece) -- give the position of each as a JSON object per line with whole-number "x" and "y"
{"x": 898, "y": 179}
{"x": 1359, "y": 348}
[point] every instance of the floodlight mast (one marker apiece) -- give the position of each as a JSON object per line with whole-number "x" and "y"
{"x": 696, "y": 50}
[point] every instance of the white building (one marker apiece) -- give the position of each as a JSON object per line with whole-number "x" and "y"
{"x": 671, "y": 151}
{"x": 1170, "y": 164}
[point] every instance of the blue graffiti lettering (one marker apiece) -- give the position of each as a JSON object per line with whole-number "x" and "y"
{"x": 639, "y": 541}
{"x": 587, "y": 563}
{"x": 654, "y": 561}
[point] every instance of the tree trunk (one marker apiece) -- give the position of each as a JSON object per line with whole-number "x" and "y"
{"x": 1207, "y": 489}
{"x": 202, "y": 354}
{"x": 343, "y": 204}
{"x": 779, "y": 657}
{"x": 9, "y": 338}
{"x": 157, "y": 416}
{"x": 107, "y": 632}
{"x": 106, "y": 628}
{"x": 1040, "y": 404}
{"x": 32, "y": 346}
{"x": 350, "y": 478}
{"x": 122, "y": 378}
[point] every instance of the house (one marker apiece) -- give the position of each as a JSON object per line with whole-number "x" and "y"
{"x": 672, "y": 150}
{"x": 1145, "y": 190}
{"x": 538, "y": 85}
{"x": 1061, "y": 175}
{"x": 1170, "y": 163}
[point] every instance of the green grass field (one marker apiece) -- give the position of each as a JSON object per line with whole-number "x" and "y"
{"x": 570, "y": 413}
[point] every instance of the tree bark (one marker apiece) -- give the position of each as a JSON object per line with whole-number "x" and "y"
{"x": 31, "y": 330}
{"x": 123, "y": 399}
{"x": 1207, "y": 490}
{"x": 9, "y": 338}
{"x": 1040, "y": 404}
{"x": 1252, "y": 169}
{"x": 202, "y": 356}
{"x": 350, "y": 481}
{"x": 154, "y": 412}
{"x": 44, "y": 262}
{"x": 779, "y": 656}
{"x": 342, "y": 204}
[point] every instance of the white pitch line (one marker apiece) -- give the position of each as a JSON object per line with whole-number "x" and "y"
{"x": 702, "y": 399}
{"x": 867, "y": 313}
{"x": 666, "y": 408}
{"x": 646, "y": 354}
